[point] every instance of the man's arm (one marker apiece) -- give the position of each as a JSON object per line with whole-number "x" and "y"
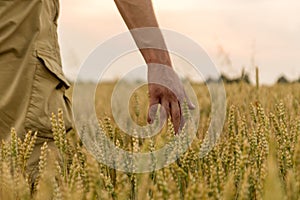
{"x": 140, "y": 14}
{"x": 168, "y": 91}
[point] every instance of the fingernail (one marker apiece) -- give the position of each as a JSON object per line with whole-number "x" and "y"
{"x": 192, "y": 106}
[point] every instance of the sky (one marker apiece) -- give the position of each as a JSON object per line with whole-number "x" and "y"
{"x": 236, "y": 34}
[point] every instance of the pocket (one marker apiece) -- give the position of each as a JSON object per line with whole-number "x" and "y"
{"x": 52, "y": 65}
{"x": 47, "y": 96}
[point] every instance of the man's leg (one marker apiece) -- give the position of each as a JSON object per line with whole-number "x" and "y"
{"x": 47, "y": 96}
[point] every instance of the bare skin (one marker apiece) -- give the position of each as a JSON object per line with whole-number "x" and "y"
{"x": 164, "y": 85}
{"x": 165, "y": 88}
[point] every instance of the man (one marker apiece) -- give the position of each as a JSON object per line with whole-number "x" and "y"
{"x": 32, "y": 84}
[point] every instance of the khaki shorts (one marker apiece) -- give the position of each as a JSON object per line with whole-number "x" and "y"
{"x": 47, "y": 96}
{"x": 32, "y": 83}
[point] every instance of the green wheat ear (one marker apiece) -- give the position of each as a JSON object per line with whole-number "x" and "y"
{"x": 27, "y": 149}
{"x": 14, "y": 151}
{"x": 59, "y": 131}
{"x": 42, "y": 164}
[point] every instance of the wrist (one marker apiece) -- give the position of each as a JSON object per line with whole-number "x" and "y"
{"x": 157, "y": 56}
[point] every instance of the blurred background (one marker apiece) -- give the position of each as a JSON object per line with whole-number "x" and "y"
{"x": 236, "y": 34}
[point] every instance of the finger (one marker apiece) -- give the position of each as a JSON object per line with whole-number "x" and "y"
{"x": 152, "y": 110}
{"x": 176, "y": 116}
{"x": 189, "y": 102}
{"x": 164, "y": 114}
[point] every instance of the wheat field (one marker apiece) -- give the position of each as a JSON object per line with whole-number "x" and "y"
{"x": 256, "y": 157}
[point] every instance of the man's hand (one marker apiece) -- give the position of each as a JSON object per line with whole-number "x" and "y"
{"x": 165, "y": 88}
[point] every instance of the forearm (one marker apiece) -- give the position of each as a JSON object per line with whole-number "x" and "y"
{"x": 138, "y": 14}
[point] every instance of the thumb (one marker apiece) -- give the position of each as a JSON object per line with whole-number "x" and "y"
{"x": 189, "y": 102}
